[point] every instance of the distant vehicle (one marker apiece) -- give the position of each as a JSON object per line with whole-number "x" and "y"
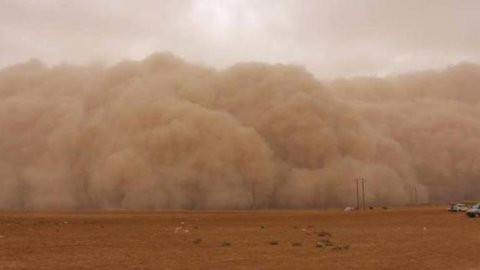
{"x": 459, "y": 207}
{"x": 474, "y": 211}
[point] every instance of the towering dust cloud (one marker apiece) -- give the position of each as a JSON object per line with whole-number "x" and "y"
{"x": 162, "y": 133}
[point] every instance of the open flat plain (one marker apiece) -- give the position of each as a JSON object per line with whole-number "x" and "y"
{"x": 399, "y": 238}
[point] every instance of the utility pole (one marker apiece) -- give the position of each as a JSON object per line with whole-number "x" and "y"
{"x": 363, "y": 193}
{"x": 357, "y": 183}
{"x": 358, "y": 197}
{"x": 415, "y": 194}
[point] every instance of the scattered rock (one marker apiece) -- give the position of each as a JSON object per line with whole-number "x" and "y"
{"x": 226, "y": 244}
{"x": 197, "y": 241}
{"x": 324, "y": 234}
{"x": 319, "y": 245}
{"x": 296, "y": 244}
{"x": 273, "y": 243}
{"x": 263, "y": 227}
{"x": 345, "y": 247}
{"x": 327, "y": 242}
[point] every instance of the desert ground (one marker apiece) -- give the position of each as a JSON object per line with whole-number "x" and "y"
{"x": 396, "y": 238}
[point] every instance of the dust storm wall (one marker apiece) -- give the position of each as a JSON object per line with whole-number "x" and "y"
{"x": 162, "y": 133}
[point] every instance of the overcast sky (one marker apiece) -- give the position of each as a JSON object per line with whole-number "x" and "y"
{"x": 329, "y": 37}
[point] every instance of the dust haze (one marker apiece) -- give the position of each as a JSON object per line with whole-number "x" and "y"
{"x": 162, "y": 133}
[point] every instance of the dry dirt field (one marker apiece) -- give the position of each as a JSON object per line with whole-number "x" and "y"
{"x": 408, "y": 238}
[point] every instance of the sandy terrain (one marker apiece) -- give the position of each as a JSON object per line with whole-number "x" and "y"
{"x": 421, "y": 238}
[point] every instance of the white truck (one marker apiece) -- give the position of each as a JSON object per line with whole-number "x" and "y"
{"x": 474, "y": 211}
{"x": 459, "y": 207}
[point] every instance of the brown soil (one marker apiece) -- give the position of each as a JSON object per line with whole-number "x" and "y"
{"x": 420, "y": 238}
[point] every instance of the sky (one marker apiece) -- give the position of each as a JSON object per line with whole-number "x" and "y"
{"x": 329, "y": 38}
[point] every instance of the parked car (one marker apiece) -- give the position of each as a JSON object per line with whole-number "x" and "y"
{"x": 459, "y": 207}
{"x": 474, "y": 211}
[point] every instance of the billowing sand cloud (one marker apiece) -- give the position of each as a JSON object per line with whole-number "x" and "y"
{"x": 162, "y": 133}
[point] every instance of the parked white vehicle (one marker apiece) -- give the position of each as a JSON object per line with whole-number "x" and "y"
{"x": 474, "y": 211}
{"x": 459, "y": 207}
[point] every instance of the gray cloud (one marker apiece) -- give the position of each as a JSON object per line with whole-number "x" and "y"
{"x": 330, "y": 38}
